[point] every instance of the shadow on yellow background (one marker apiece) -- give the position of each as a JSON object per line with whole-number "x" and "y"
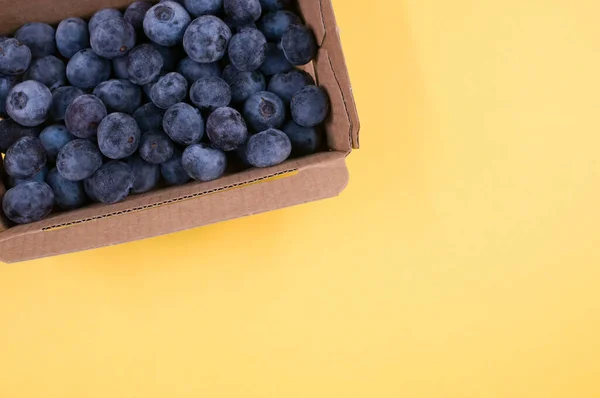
{"x": 462, "y": 260}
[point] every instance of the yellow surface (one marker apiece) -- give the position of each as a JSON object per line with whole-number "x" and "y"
{"x": 462, "y": 260}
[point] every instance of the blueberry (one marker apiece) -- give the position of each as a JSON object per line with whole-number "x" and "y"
{"x": 169, "y": 90}
{"x": 170, "y": 56}
{"x": 62, "y": 97}
{"x": 112, "y": 38}
{"x": 149, "y": 117}
{"x": 204, "y": 163}
{"x": 275, "y": 61}
{"x": 6, "y": 83}
{"x": 193, "y": 70}
{"x": 268, "y": 148}
{"x": 210, "y": 93}
{"x": 165, "y": 23}
{"x": 48, "y": 70}
{"x": 206, "y": 39}
{"x": 89, "y": 189}
{"x": 15, "y": 57}
{"x": 226, "y": 129}
{"x": 184, "y": 124}
{"x": 25, "y": 158}
{"x": 84, "y": 115}
{"x": 28, "y": 103}
{"x": 243, "y": 84}
{"x": 299, "y": 45}
{"x": 78, "y": 160}
{"x": 118, "y": 136}
{"x": 272, "y": 5}
{"x": 242, "y": 11}
{"x": 197, "y": 8}
{"x": 119, "y": 95}
{"x": 310, "y": 106}
{"x": 103, "y": 15}
{"x": 72, "y": 36}
{"x": 274, "y": 24}
{"x": 305, "y": 140}
{"x": 40, "y": 176}
{"x": 147, "y": 88}
{"x": 120, "y": 68}
{"x": 68, "y": 195}
{"x": 145, "y": 175}
{"x": 248, "y": 49}
{"x": 39, "y": 37}
{"x": 86, "y": 69}
{"x": 156, "y": 147}
{"x": 135, "y": 13}
{"x": 144, "y": 64}
{"x": 29, "y": 202}
{"x": 285, "y": 85}
{"x": 54, "y": 138}
{"x": 112, "y": 182}
{"x": 172, "y": 170}
{"x": 264, "y": 110}
{"x": 11, "y": 132}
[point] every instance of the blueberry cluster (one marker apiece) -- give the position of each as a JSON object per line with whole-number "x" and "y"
{"x": 177, "y": 91}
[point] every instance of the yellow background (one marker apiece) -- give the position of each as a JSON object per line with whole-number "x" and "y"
{"x": 462, "y": 260}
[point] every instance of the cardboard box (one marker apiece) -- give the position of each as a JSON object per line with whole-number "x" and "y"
{"x": 174, "y": 209}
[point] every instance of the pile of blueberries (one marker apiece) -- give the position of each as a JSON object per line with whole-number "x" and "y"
{"x": 94, "y": 111}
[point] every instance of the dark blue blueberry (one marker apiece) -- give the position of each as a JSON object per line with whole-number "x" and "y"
{"x": 40, "y": 176}
{"x": 165, "y": 23}
{"x": 86, "y": 69}
{"x": 305, "y": 140}
{"x": 268, "y": 148}
{"x": 118, "y": 136}
{"x": 248, "y": 49}
{"x": 78, "y": 160}
{"x": 54, "y": 138}
{"x": 197, "y": 8}
{"x": 242, "y": 11}
{"x": 172, "y": 170}
{"x": 149, "y": 117}
{"x": 103, "y": 15}
{"x": 169, "y": 90}
{"x": 310, "y": 106}
{"x": 68, "y": 195}
{"x": 170, "y": 56}
{"x": 206, "y": 39}
{"x": 84, "y": 115}
{"x": 119, "y": 95}
{"x": 184, "y": 124}
{"x": 156, "y": 147}
{"x": 39, "y": 37}
{"x": 145, "y": 175}
{"x": 48, "y": 70}
{"x": 299, "y": 45}
{"x": 243, "y": 84}
{"x": 72, "y": 36}
{"x": 28, "y": 103}
{"x": 135, "y": 13}
{"x": 11, "y": 132}
{"x": 15, "y": 57}
{"x": 89, "y": 189}
{"x": 112, "y": 182}
{"x": 25, "y": 158}
{"x": 112, "y": 38}
{"x": 120, "y": 68}
{"x": 274, "y": 24}
{"x": 272, "y": 5}
{"x": 285, "y": 85}
{"x": 29, "y": 202}
{"x": 226, "y": 129}
{"x": 193, "y": 70}
{"x": 144, "y": 64}
{"x": 62, "y": 97}
{"x": 6, "y": 83}
{"x": 204, "y": 163}
{"x": 276, "y": 62}
{"x": 210, "y": 93}
{"x": 264, "y": 110}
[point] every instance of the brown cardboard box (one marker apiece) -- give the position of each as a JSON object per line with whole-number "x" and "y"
{"x": 174, "y": 209}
